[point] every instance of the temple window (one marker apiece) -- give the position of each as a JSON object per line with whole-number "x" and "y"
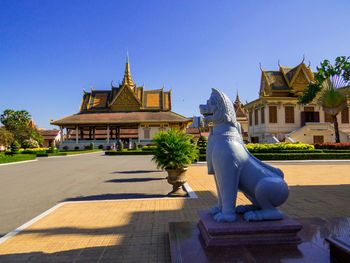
{"x": 262, "y": 112}
{"x": 146, "y": 133}
{"x": 289, "y": 114}
{"x": 256, "y": 117}
{"x": 345, "y": 115}
{"x": 328, "y": 117}
{"x": 273, "y": 114}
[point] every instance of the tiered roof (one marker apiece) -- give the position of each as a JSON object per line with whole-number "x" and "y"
{"x": 240, "y": 111}
{"x": 126, "y": 97}
{"x": 288, "y": 81}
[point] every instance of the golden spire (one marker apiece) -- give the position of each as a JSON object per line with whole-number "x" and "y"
{"x": 238, "y": 102}
{"x": 127, "y": 80}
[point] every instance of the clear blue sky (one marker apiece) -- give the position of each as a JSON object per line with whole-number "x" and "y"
{"x": 50, "y": 50}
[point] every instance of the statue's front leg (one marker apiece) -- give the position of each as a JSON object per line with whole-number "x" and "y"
{"x": 228, "y": 176}
{"x": 216, "y": 209}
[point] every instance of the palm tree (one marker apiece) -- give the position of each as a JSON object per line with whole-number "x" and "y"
{"x": 327, "y": 88}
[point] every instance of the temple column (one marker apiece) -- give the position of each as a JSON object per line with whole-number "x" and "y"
{"x": 77, "y": 134}
{"x": 118, "y": 134}
{"x": 61, "y": 129}
{"x": 107, "y": 133}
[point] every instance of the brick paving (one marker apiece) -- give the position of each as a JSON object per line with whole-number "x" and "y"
{"x": 136, "y": 230}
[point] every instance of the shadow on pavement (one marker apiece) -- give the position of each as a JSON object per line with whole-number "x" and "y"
{"x": 137, "y": 172}
{"x": 147, "y": 231}
{"x": 133, "y": 180}
{"x": 113, "y": 197}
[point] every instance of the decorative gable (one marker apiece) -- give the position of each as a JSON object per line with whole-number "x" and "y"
{"x": 125, "y": 100}
{"x": 301, "y": 79}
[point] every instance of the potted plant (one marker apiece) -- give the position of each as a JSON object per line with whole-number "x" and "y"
{"x": 174, "y": 152}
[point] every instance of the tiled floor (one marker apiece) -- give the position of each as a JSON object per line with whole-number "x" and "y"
{"x": 136, "y": 230}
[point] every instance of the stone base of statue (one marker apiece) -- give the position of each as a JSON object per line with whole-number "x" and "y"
{"x": 240, "y": 232}
{"x": 187, "y": 244}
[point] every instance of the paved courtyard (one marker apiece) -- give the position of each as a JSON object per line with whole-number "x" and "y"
{"x": 136, "y": 230}
{"x": 29, "y": 189}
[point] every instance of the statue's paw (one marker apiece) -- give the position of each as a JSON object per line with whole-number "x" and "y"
{"x": 241, "y": 209}
{"x": 250, "y": 216}
{"x": 215, "y": 209}
{"x": 259, "y": 215}
{"x": 221, "y": 217}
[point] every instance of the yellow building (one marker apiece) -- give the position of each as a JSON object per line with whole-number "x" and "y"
{"x": 276, "y": 115}
{"x": 127, "y": 112}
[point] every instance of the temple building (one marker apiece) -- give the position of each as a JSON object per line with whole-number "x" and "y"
{"x": 126, "y": 112}
{"x": 276, "y": 115}
{"x": 241, "y": 116}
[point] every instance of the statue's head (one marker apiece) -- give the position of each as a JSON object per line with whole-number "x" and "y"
{"x": 219, "y": 109}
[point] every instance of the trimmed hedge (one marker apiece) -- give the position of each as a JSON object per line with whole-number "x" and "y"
{"x": 256, "y": 147}
{"x": 50, "y": 154}
{"x": 301, "y": 156}
{"x": 149, "y": 148}
{"x": 333, "y": 146}
{"x": 295, "y": 156}
{"x": 130, "y": 152}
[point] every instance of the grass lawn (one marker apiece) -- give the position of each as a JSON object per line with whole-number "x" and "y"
{"x": 16, "y": 157}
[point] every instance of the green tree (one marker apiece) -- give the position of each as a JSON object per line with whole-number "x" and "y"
{"x": 202, "y": 144}
{"x": 15, "y": 146}
{"x": 17, "y": 123}
{"x": 327, "y": 88}
{"x": 6, "y": 137}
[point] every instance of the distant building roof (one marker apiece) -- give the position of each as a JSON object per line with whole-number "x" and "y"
{"x": 126, "y": 96}
{"x": 49, "y": 134}
{"x": 195, "y": 132}
{"x": 121, "y": 117}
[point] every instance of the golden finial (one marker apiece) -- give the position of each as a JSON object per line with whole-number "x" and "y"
{"x": 84, "y": 90}
{"x": 51, "y": 120}
{"x": 260, "y": 66}
{"x": 279, "y": 63}
{"x": 303, "y": 59}
{"x": 163, "y": 86}
{"x": 309, "y": 64}
{"x": 127, "y": 80}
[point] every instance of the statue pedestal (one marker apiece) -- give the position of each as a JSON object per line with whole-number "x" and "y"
{"x": 240, "y": 232}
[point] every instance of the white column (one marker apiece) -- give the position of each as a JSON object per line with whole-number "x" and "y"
{"x": 62, "y": 139}
{"x": 77, "y": 134}
{"x": 107, "y": 133}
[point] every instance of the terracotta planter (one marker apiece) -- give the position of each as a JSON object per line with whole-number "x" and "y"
{"x": 177, "y": 177}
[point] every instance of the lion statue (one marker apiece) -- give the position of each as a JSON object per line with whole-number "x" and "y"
{"x": 234, "y": 168}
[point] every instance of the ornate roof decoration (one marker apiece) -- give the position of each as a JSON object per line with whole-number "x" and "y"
{"x": 286, "y": 81}
{"x": 126, "y": 97}
{"x": 240, "y": 111}
{"x": 127, "y": 80}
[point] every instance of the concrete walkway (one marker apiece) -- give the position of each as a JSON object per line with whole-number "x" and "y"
{"x": 29, "y": 189}
{"x": 136, "y": 230}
